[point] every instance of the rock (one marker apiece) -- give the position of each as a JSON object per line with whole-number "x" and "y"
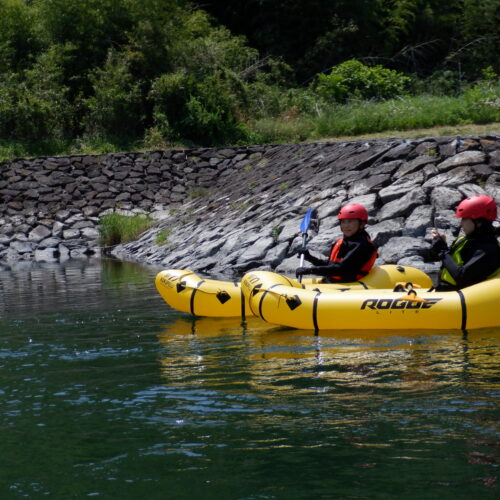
{"x": 276, "y": 254}
{"x": 401, "y": 187}
{"x": 46, "y": 255}
{"x": 249, "y": 211}
{"x": 460, "y": 159}
{"x": 39, "y": 233}
{"x": 257, "y": 251}
{"x": 403, "y": 206}
{"x": 90, "y": 233}
{"x": 470, "y": 190}
{"x": 288, "y": 266}
{"x": 21, "y": 247}
{"x": 400, "y": 247}
{"x": 430, "y": 268}
{"x": 331, "y": 207}
{"x": 64, "y": 253}
{"x": 69, "y": 234}
{"x": 494, "y": 158}
{"x": 455, "y": 177}
{"x": 443, "y": 197}
{"x": 413, "y": 165}
{"x": 418, "y": 222}
{"x": 49, "y": 243}
{"x": 369, "y": 201}
{"x": 368, "y": 185}
{"x": 492, "y": 187}
{"x": 382, "y": 232}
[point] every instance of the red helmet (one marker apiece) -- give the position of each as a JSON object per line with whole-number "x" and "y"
{"x": 476, "y": 207}
{"x": 353, "y": 211}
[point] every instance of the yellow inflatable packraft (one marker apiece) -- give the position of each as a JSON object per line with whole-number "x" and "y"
{"x": 279, "y": 301}
{"x": 187, "y": 292}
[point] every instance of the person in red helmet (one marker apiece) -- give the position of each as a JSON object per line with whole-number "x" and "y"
{"x": 352, "y": 256}
{"x": 474, "y": 256}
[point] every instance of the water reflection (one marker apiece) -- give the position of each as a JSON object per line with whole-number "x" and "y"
{"x": 29, "y": 287}
{"x": 138, "y": 399}
{"x": 341, "y": 361}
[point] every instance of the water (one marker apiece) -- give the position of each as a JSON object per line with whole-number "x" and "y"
{"x": 108, "y": 393}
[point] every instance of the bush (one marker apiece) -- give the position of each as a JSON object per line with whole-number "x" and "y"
{"x": 114, "y": 108}
{"x": 353, "y": 80}
{"x": 116, "y": 228}
{"x": 442, "y": 82}
{"x": 205, "y": 112}
{"x": 34, "y": 104}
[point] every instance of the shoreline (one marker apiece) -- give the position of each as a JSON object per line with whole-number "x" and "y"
{"x": 229, "y": 210}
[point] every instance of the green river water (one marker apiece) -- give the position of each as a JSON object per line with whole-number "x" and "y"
{"x": 106, "y": 392}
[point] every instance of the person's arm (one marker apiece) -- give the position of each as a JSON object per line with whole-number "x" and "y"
{"x": 312, "y": 259}
{"x": 477, "y": 267}
{"x": 357, "y": 255}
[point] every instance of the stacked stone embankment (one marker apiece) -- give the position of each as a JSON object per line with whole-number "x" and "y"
{"x": 225, "y": 211}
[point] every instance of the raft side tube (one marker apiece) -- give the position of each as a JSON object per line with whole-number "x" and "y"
{"x": 384, "y": 276}
{"x": 187, "y": 292}
{"x": 279, "y": 303}
{"x": 482, "y": 304}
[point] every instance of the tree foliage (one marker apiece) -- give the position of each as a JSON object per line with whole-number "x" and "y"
{"x": 354, "y": 80}
{"x": 97, "y": 69}
{"x": 408, "y": 35}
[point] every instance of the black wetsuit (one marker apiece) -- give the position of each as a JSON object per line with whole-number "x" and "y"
{"x": 355, "y": 251}
{"x": 480, "y": 255}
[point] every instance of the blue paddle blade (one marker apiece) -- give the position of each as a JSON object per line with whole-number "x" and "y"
{"x": 306, "y": 221}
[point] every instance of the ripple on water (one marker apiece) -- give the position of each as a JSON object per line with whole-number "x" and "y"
{"x": 118, "y": 396}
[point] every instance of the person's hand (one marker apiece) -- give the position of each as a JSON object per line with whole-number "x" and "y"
{"x": 439, "y": 246}
{"x": 301, "y": 271}
{"x": 303, "y": 251}
{"x": 436, "y": 234}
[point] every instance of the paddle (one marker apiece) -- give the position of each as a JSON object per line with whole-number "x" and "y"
{"x": 310, "y": 221}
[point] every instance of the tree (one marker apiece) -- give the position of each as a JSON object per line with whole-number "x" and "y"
{"x": 17, "y": 39}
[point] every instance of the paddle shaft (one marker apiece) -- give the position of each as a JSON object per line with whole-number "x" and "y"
{"x": 301, "y": 263}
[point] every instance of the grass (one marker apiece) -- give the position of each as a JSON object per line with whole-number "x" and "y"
{"x": 422, "y": 115}
{"x": 162, "y": 236}
{"x": 476, "y": 111}
{"x": 116, "y": 228}
{"x": 404, "y": 114}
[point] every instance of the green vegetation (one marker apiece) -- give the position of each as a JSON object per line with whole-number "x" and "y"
{"x": 198, "y": 193}
{"x": 116, "y": 228}
{"x": 354, "y": 80}
{"x": 162, "y": 236}
{"x": 96, "y": 76}
{"x": 275, "y": 233}
{"x": 479, "y": 104}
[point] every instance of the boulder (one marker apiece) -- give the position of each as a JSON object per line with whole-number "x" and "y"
{"x": 460, "y": 159}
{"x": 39, "y": 233}
{"x": 400, "y": 247}
{"x": 418, "y": 221}
{"x": 443, "y": 197}
{"x": 382, "y": 232}
{"x": 403, "y": 206}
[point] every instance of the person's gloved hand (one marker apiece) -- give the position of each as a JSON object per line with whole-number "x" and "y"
{"x": 301, "y": 271}
{"x": 438, "y": 247}
{"x": 303, "y": 251}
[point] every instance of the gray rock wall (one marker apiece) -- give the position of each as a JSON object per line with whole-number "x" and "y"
{"x": 225, "y": 211}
